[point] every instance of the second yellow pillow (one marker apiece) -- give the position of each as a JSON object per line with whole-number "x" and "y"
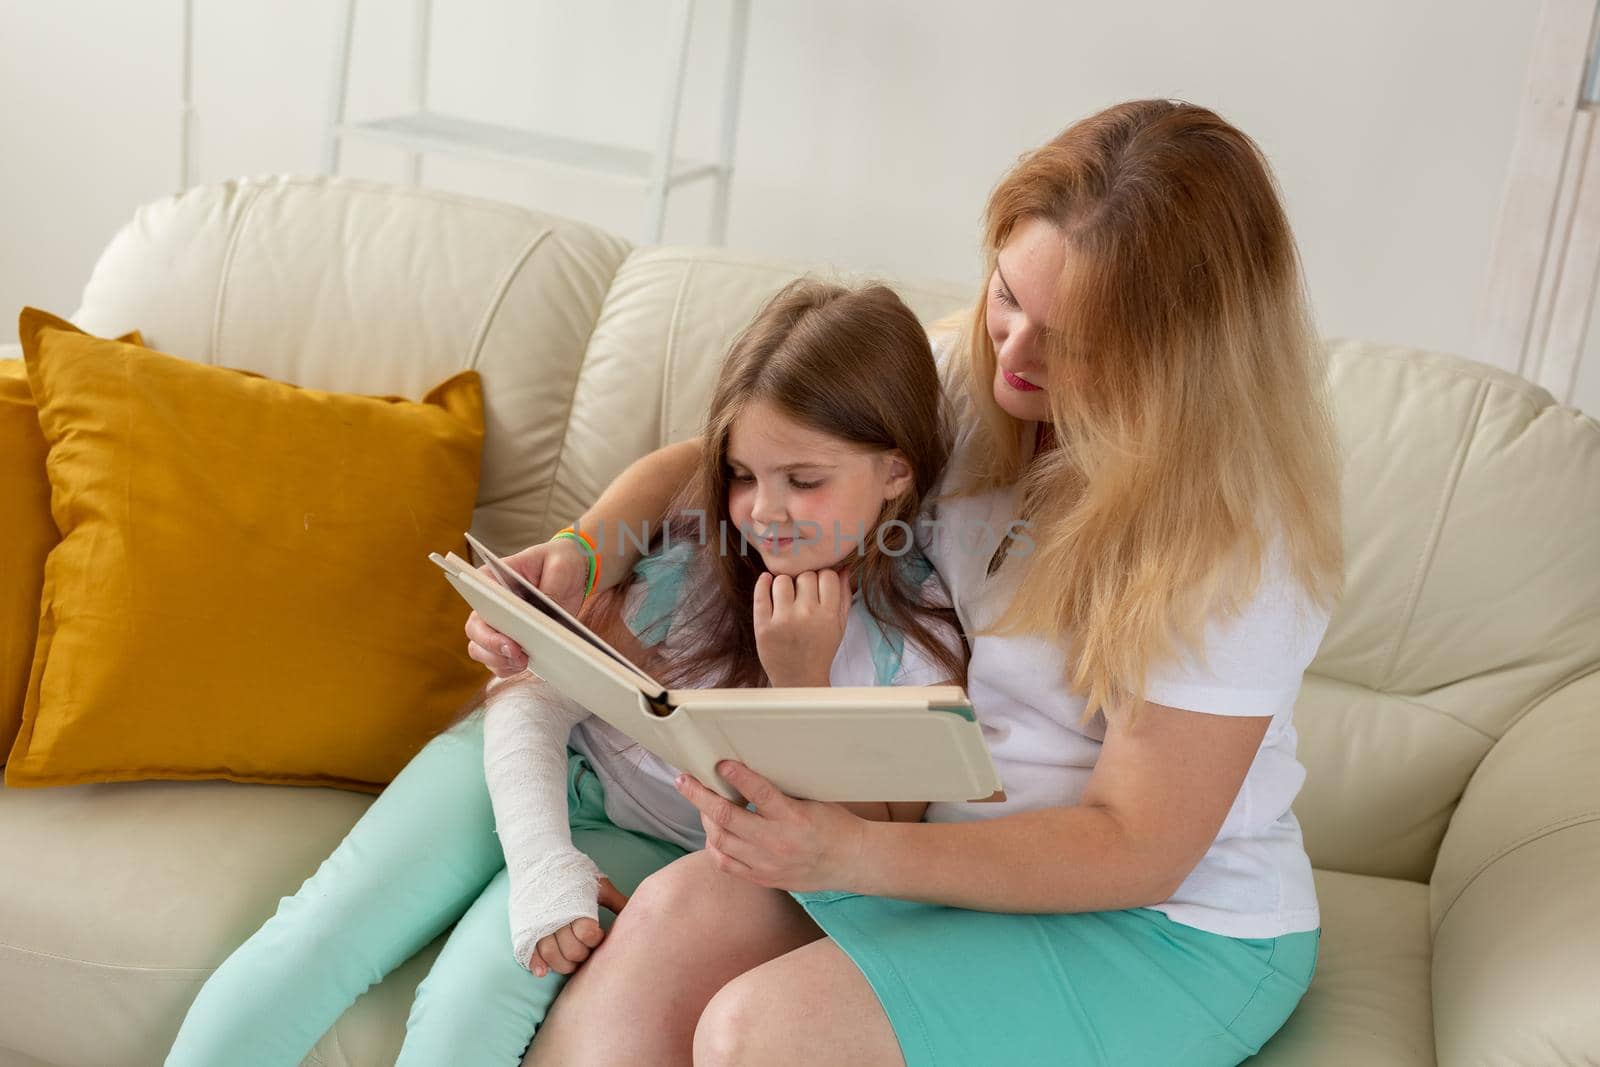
{"x": 28, "y": 533}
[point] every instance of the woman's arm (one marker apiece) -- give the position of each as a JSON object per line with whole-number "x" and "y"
{"x": 635, "y": 503}
{"x": 887, "y": 811}
{"x": 1154, "y": 803}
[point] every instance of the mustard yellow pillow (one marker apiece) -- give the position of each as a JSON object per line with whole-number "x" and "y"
{"x": 242, "y": 587}
{"x": 28, "y": 533}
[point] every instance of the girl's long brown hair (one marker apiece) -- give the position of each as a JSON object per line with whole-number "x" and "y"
{"x": 1186, "y": 393}
{"x": 852, "y": 363}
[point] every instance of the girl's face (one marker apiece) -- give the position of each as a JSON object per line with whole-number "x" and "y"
{"x": 791, "y": 487}
{"x": 1020, "y": 291}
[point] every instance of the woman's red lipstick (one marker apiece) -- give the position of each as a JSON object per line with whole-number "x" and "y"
{"x": 1018, "y": 384}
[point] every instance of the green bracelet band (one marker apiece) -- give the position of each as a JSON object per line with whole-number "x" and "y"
{"x": 588, "y": 556}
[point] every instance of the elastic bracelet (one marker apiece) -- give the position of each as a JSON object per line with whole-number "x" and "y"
{"x": 589, "y": 549}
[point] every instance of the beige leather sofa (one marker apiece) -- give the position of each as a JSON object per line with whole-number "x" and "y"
{"x": 1450, "y": 725}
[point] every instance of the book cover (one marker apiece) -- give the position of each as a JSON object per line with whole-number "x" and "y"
{"x": 881, "y": 743}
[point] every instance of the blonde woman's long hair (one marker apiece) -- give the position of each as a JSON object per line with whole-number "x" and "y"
{"x": 1185, "y": 389}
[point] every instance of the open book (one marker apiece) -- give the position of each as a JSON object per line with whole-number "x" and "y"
{"x": 848, "y": 744}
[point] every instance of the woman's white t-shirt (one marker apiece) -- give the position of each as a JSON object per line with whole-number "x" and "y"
{"x": 1255, "y": 880}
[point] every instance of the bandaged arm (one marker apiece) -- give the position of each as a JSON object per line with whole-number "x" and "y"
{"x": 525, "y": 730}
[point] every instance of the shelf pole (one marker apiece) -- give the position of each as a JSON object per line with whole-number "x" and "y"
{"x": 421, "y": 48}
{"x": 341, "y": 79}
{"x": 186, "y": 104}
{"x": 732, "y": 86}
{"x": 671, "y": 101}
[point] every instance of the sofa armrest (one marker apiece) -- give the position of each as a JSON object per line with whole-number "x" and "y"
{"x": 1516, "y": 955}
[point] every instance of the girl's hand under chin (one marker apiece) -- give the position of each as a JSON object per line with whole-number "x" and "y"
{"x": 799, "y": 623}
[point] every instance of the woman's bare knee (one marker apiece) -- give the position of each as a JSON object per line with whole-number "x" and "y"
{"x": 687, "y": 930}
{"x": 725, "y": 1031}
{"x": 691, "y": 903}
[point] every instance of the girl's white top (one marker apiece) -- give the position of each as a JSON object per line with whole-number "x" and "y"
{"x": 639, "y": 794}
{"x": 1255, "y": 880}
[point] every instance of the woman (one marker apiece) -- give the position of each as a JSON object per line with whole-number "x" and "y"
{"x": 1140, "y": 384}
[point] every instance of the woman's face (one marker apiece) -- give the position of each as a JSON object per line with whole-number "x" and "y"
{"x": 790, "y": 487}
{"x": 1026, "y": 273}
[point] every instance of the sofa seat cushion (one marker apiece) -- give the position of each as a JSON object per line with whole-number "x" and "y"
{"x": 118, "y": 900}
{"x": 1371, "y": 1000}
{"x": 126, "y": 896}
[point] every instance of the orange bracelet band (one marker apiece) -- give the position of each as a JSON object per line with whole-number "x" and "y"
{"x": 594, "y": 556}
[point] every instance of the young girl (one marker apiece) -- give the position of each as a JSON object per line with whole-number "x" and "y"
{"x": 801, "y": 448}
{"x": 826, "y": 424}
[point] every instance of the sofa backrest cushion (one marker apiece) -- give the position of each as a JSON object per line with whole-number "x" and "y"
{"x": 1471, "y": 500}
{"x": 367, "y": 288}
{"x": 1472, "y": 592}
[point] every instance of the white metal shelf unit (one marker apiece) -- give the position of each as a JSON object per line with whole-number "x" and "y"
{"x": 658, "y": 172}
{"x": 1544, "y": 265}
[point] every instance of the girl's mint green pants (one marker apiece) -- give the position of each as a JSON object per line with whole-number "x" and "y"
{"x": 424, "y": 856}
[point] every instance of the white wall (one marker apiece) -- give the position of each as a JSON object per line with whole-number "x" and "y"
{"x": 871, "y": 131}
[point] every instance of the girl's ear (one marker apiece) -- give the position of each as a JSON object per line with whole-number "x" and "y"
{"x": 897, "y": 475}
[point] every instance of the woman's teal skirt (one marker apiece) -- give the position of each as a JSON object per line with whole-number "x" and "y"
{"x": 969, "y": 988}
